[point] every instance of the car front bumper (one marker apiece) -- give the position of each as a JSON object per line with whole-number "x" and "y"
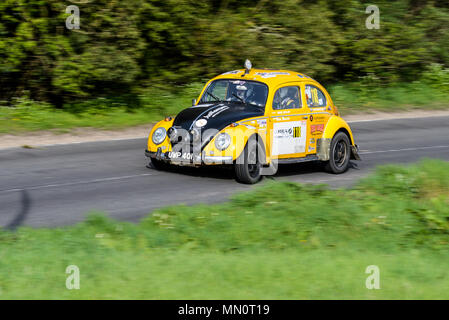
{"x": 196, "y": 160}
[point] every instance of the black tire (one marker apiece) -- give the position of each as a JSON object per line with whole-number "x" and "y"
{"x": 340, "y": 154}
{"x": 158, "y": 164}
{"x": 248, "y": 166}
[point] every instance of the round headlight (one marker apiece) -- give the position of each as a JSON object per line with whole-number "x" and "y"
{"x": 159, "y": 135}
{"x": 222, "y": 141}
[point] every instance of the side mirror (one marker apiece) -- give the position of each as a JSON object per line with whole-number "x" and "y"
{"x": 193, "y": 102}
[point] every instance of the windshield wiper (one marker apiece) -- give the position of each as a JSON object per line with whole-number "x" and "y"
{"x": 213, "y": 96}
{"x": 238, "y": 98}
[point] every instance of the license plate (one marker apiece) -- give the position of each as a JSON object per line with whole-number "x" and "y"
{"x": 180, "y": 156}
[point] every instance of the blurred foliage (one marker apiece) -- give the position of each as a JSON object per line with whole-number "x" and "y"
{"x": 123, "y": 46}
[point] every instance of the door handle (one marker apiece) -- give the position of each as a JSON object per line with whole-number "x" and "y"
{"x": 305, "y": 117}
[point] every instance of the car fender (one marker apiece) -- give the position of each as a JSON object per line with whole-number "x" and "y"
{"x": 240, "y": 135}
{"x": 167, "y": 123}
{"x": 334, "y": 125}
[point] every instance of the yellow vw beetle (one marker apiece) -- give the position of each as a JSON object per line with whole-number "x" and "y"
{"x": 255, "y": 119}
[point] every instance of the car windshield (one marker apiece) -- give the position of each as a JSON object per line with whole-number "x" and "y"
{"x": 248, "y": 92}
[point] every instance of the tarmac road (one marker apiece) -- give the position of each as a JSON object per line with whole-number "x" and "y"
{"x": 58, "y": 185}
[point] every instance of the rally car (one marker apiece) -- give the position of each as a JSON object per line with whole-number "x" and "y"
{"x": 254, "y": 119}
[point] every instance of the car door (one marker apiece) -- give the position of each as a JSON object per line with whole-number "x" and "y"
{"x": 319, "y": 105}
{"x": 288, "y": 123}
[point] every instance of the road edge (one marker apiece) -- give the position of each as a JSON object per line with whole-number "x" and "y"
{"x": 85, "y": 135}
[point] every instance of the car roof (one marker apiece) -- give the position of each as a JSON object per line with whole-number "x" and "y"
{"x": 271, "y": 77}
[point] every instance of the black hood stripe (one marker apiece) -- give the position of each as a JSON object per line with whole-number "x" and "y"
{"x": 230, "y": 112}
{"x": 205, "y": 111}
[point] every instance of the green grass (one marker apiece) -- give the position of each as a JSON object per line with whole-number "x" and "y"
{"x": 279, "y": 241}
{"x": 153, "y": 105}
{"x": 182, "y": 274}
{"x": 103, "y": 113}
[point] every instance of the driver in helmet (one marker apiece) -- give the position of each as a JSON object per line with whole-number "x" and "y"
{"x": 242, "y": 92}
{"x": 289, "y": 98}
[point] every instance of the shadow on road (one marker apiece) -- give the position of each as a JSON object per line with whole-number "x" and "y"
{"x": 23, "y": 212}
{"x": 227, "y": 172}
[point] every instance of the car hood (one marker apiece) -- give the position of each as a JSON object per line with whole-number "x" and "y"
{"x": 216, "y": 116}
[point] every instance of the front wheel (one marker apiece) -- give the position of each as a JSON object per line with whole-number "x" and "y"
{"x": 158, "y": 164}
{"x": 340, "y": 154}
{"x": 248, "y": 166}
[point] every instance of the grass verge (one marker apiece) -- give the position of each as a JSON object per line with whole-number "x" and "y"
{"x": 152, "y": 105}
{"x": 367, "y": 98}
{"x": 279, "y": 241}
{"x": 103, "y": 113}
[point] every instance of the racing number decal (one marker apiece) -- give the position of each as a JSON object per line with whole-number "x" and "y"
{"x": 289, "y": 137}
{"x": 315, "y": 96}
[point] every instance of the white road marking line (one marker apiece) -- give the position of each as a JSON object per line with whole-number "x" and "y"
{"x": 378, "y": 119}
{"x": 149, "y": 174}
{"x": 68, "y": 184}
{"x": 402, "y": 150}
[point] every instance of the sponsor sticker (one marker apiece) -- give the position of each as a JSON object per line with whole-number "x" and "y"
{"x": 216, "y": 112}
{"x": 262, "y": 123}
{"x": 272, "y": 74}
{"x": 292, "y": 132}
{"x": 289, "y": 137}
{"x": 201, "y": 123}
{"x": 297, "y": 132}
{"x": 283, "y": 133}
{"x": 315, "y": 96}
{"x": 317, "y": 128}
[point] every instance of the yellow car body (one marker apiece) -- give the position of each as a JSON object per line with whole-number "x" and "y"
{"x": 303, "y": 131}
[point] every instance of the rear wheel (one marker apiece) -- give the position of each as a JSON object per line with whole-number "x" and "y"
{"x": 248, "y": 166}
{"x": 340, "y": 154}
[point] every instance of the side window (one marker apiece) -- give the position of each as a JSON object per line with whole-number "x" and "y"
{"x": 287, "y": 98}
{"x": 315, "y": 97}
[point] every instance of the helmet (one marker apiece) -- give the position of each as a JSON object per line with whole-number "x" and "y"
{"x": 241, "y": 91}
{"x": 283, "y": 92}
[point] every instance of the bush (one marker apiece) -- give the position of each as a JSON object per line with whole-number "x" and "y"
{"x": 123, "y": 46}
